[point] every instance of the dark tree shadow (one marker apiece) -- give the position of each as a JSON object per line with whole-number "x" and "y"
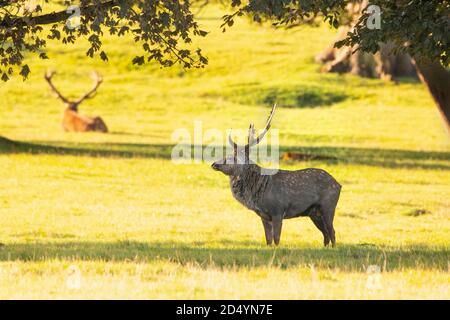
{"x": 302, "y": 99}
{"x": 230, "y": 254}
{"x": 299, "y": 96}
{"x": 389, "y": 158}
{"x": 134, "y": 134}
{"x": 119, "y": 150}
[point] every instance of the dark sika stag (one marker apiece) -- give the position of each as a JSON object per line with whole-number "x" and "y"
{"x": 283, "y": 195}
{"x": 72, "y": 120}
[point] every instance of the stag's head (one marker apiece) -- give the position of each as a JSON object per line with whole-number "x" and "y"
{"x": 235, "y": 164}
{"x": 73, "y": 104}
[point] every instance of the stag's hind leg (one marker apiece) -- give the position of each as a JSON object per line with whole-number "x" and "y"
{"x": 316, "y": 217}
{"x": 277, "y": 223}
{"x": 268, "y": 231}
{"x": 328, "y": 208}
{"x": 329, "y": 228}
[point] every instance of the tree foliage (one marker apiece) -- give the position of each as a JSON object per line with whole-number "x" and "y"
{"x": 420, "y": 28}
{"x": 417, "y": 27}
{"x": 164, "y": 29}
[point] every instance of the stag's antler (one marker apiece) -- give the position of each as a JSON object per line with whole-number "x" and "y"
{"x": 251, "y": 132}
{"x": 231, "y": 142}
{"x": 251, "y": 138}
{"x": 48, "y": 76}
{"x": 90, "y": 94}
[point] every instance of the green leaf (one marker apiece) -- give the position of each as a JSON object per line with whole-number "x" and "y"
{"x": 103, "y": 56}
{"x": 139, "y": 60}
{"x": 25, "y": 71}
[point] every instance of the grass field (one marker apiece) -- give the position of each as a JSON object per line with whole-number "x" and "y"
{"x": 114, "y": 212}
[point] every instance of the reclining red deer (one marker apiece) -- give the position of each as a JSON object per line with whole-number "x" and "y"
{"x": 72, "y": 120}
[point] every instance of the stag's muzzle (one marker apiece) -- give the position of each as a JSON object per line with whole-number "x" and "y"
{"x": 215, "y": 166}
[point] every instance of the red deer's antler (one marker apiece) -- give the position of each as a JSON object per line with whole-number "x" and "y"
{"x": 48, "y": 76}
{"x": 90, "y": 94}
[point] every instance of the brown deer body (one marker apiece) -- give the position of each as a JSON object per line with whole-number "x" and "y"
{"x": 72, "y": 120}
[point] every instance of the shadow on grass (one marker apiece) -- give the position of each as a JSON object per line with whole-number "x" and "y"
{"x": 348, "y": 257}
{"x": 299, "y": 96}
{"x": 307, "y": 99}
{"x": 389, "y": 158}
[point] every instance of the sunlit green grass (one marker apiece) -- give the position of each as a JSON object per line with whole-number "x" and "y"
{"x": 137, "y": 225}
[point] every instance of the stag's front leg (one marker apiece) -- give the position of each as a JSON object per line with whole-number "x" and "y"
{"x": 268, "y": 231}
{"x": 277, "y": 223}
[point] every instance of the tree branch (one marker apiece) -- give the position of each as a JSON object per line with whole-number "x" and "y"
{"x": 55, "y": 17}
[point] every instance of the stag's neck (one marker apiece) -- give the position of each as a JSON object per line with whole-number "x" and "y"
{"x": 250, "y": 186}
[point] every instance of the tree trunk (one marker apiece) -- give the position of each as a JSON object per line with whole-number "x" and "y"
{"x": 437, "y": 79}
{"x": 384, "y": 64}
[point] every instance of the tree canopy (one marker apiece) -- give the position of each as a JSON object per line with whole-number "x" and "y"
{"x": 418, "y": 27}
{"x": 163, "y": 28}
